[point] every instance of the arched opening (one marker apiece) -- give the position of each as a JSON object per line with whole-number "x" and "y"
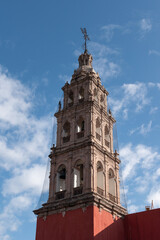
{"x": 106, "y": 136}
{"x": 70, "y": 98}
{"x": 100, "y": 179}
{"x": 112, "y": 185}
{"x": 78, "y": 178}
{"x": 61, "y": 182}
{"x": 66, "y": 132}
{"x": 81, "y": 94}
{"x": 80, "y": 127}
{"x": 95, "y": 94}
{"x": 98, "y": 129}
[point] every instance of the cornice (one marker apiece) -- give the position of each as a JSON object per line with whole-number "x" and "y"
{"x": 86, "y": 77}
{"x": 85, "y": 104}
{"x": 79, "y": 145}
{"x": 81, "y": 201}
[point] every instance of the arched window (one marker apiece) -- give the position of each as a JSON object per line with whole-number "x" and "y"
{"x": 106, "y": 136}
{"x": 78, "y": 178}
{"x": 70, "y": 98}
{"x": 98, "y": 129}
{"x": 61, "y": 179}
{"x": 95, "y": 94}
{"x": 100, "y": 179}
{"x": 81, "y": 94}
{"x": 80, "y": 127}
{"x": 66, "y": 132}
{"x": 112, "y": 185}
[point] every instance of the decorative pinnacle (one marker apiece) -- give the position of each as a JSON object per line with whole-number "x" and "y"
{"x": 86, "y": 38}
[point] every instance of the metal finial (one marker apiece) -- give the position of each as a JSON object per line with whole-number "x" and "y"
{"x": 86, "y": 38}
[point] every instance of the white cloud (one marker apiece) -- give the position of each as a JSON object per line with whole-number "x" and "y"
{"x": 145, "y": 25}
{"x": 108, "y": 31}
{"x": 154, "y": 193}
{"x": 101, "y": 50}
{"x": 125, "y": 113}
{"x": 153, "y": 110}
{"x": 129, "y": 160}
{"x": 26, "y": 143}
{"x": 158, "y": 85}
{"x": 156, "y": 175}
{"x": 24, "y": 146}
{"x": 9, "y": 221}
{"x": 154, "y": 52}
{"x": 132, "y": 131}
{"x": 14, "y": 100}
{"x": 131, "y": 94}
{"x": 155, "y": 196}
{"x": 106, "y": 69}
{"x": 141, "y": 174}
{"x": 132, "y": 208}
{"x": 151, "y": 84}
{"x": 145, "y": 129}
{"x": 77, "y": 53}
{"x": 141, "y": 182}
{"x": 27, "y": 134}
{"x": 136, "y": 92}
{"x": 135, "y": 157}
{"x": 142, "y": 129}
{"x": 148, "y": 184}
{"x": 18, "y": 184}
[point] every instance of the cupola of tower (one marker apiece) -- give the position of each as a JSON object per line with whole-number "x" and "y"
{"x": 85, "y": 59}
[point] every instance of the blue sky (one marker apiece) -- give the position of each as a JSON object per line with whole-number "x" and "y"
{"x": 40, "y": 42}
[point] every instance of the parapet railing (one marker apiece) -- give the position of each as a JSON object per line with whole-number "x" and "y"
{"x": 78, "y": 190}
{"x": 60, "y": 195}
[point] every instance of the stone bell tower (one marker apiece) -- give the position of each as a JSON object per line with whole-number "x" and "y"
{"x": 84, "y": 189}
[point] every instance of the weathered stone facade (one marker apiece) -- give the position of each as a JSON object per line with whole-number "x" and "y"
{"x": 84, "y": 169}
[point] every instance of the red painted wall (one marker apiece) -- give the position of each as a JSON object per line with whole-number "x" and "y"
{"x": 102, "y": 219}
{"x": 143, "y": 225}
{"x": 137, "y": 226}
{"x": 76, "y": 225}
{"x": 93, "y": 224}
{"x": 105, "y": 228}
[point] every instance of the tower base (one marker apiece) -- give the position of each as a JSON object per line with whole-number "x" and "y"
{"x": 86, "y": 223}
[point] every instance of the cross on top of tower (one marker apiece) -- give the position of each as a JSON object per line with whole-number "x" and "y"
{"x": 86, "y": 38}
